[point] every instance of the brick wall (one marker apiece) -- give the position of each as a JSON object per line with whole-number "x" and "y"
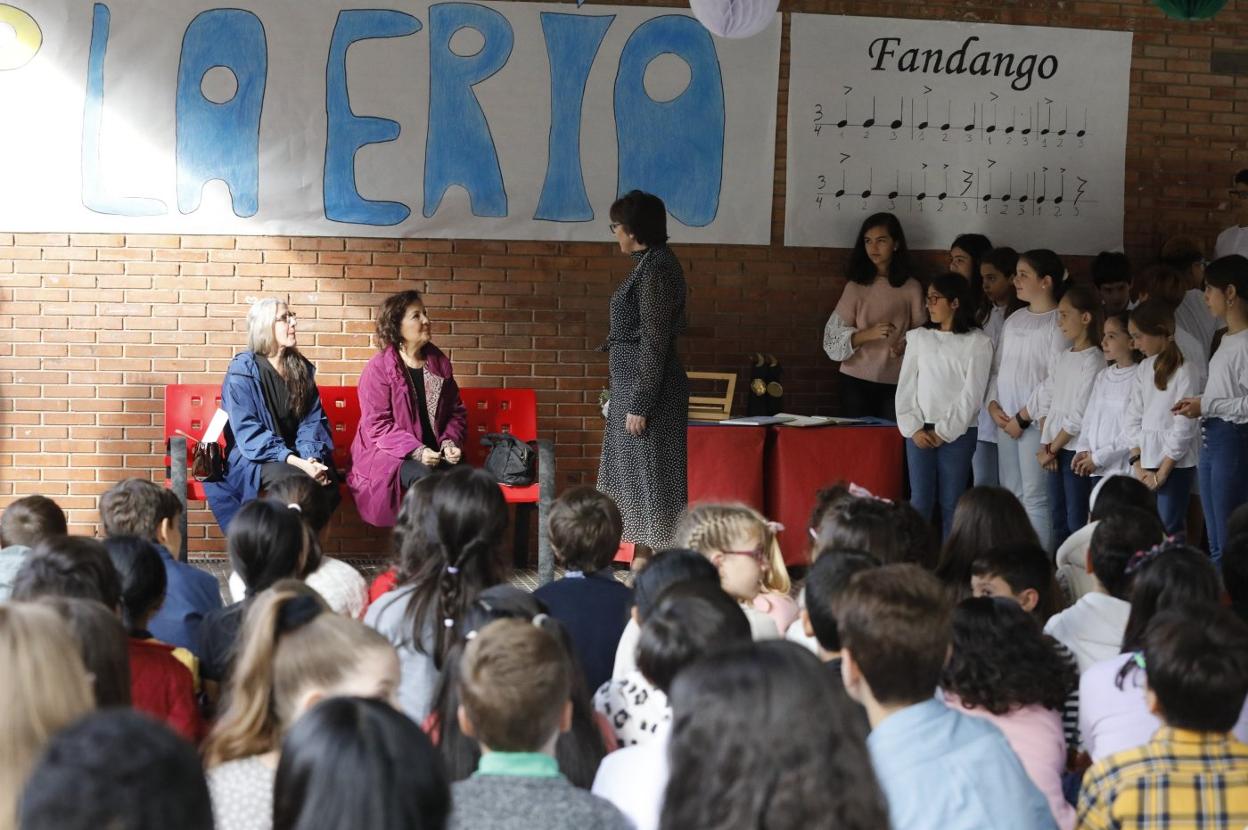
{"x": 93, "y": 326}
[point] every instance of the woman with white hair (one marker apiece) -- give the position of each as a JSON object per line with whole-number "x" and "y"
{"x": 277, "y": 426}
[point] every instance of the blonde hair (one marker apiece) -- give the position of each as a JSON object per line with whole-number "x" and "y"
{"x": 44, "y": 686}
{"x": 290, "y": 642}
{"x": 260, "y": 319}
{"x": 711, "y": 527}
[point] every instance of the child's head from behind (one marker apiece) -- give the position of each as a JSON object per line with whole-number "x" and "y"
{"x": 669, "y": 567}
{"x": 892, "y": 532}
{"x": 827, "y": 577}
{"x": 742, "y": 546}
{"x": 894, "y": 623}
{"x": 1115, "y": 493}
{"x": 305, "y": 492}
{"x": 69, "y": 566}
{"x": 691, "y": 619}
{"x": 132, "y": 507}
{"x": 1196, "y": 659}
{"x": 585, "y": 529}
{"x": 1169, "y": 575}
{"x": 1020, "y": 571}
{"x": 1117, "y": 538}
{"x": 294, "y": 651}
{"x": 515, "y": 683}
{"x": 268, "y": 541}
{"x": 985, "y": 517}
{"x": 143, "y": 579}
{"x": 30, "y": 520}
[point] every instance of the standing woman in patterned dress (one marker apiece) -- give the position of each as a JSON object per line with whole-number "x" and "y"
{"x": 643, "y": 446}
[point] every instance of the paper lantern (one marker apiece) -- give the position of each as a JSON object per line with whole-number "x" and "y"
{"x": 1191, "y": 9}
{"x": 735, "y": 18}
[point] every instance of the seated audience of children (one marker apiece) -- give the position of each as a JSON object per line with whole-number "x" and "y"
{"x": 25, "y": 523}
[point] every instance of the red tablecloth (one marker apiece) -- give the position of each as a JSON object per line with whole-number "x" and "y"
{"x": 726, "y": 464}
{"x": 799, "y": 462}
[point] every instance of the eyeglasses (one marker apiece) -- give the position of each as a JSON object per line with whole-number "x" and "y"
{"x": 613, "y": 226}
{"x": 289, "y": 318}
{"x": 758, "y": 554}
{"x": 933, "y": 299}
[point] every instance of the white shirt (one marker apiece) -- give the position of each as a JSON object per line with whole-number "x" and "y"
{"x": 1092, "y": 628}
{"x": 1151, "y": 426}
{"x": 992, "y": 328}
{"x": 1233, "y": 240}
{"x": 943, "y": 380}
{"x": 1020, "y": 366}
{"x": 1103, "y": 434}
{"x": 1226, "y": 393}
{"x": 1064, "y": 396}
{"x": 635, "y": 779}
{"x": 636, "y": 709}
{"x": 342, "y": 587}
{"x": 1193, "y": 314}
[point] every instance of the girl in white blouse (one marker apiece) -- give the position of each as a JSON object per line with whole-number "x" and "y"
{"x": 1063, "y": 401}
{"x": 1029, "y": 339}
{"x": 1102, "y": 447}
{"x": 1224, "y": 404}
{"x": 943, "y": 378}
{"x": 1163, "y": 443}
{"x": 996, "y": 272}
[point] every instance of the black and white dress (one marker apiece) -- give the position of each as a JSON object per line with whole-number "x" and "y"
{"x": 646, "y": 474}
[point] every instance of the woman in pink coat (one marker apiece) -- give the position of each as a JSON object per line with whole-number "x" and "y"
{"x": 412, "y": 421}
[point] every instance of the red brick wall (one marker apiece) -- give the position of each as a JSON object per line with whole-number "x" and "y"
{"x": 93, "y": 326}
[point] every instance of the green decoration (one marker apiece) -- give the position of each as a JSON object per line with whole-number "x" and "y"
{"x": 1190, "y": 9}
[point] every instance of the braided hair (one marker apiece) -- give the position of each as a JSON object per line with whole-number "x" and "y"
{"x": 448, "y": 535}
{"x": 711, "y": 527}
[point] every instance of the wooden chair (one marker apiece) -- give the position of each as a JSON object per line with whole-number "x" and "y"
{"x": 714, "y": 407}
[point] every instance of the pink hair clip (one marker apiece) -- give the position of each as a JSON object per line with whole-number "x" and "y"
{"x": 1142, "y": 557}
{"x": 774, "y": 527}
{"x": 858, "y": 491}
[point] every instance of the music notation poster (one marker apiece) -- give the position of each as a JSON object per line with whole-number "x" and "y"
{"x": 1016, "y": 132}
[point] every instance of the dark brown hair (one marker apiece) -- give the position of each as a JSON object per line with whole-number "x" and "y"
{"x": 1162, "y": 282}
{"x": 1196, "y": 659}
{"x": 895, "y": 621}
{"x": 31, "y": 519}
{"x": 985, "y": 518}
{"x": 645, "y": 216}
{"x": 1155, "y": 318}
{"x": 585, "y": 529}
{"x": 390, "y": 317}
{"x": 514, "y": 682}
{"x": 1086, "y": 301}
{"x": 132, "y": 507}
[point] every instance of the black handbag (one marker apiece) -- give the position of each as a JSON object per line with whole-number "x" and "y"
{"x": 207, "y": 463}
{"x": 510, "y": 460}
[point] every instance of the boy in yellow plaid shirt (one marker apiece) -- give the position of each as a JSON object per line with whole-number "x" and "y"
{"x": 1193, "y": 774}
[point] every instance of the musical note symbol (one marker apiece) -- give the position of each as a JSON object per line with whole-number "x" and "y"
{"x": 969, "y": 181}
{"x": 866, "y": 194}
{"x": 1084, "y": 131}
{"x": 1009, "y": 188}
{"x": 971, "y": 125}
{"x": 1058, "y": 200}
{"x": 1022, "y": 199}
{"x": 870, "y": 122}
{"x": 901, "y": 111}
{"x": 992, "y": 128}
{"x": 892, "y": 194}
{"x": 841, "y": 192}
{"x": 945, "y": 192}
{"x": 1049, "y": 122}
{"x": 1044, "y": 186}
{"x": 1079, "y": 190}
{"x": 1013, "y": 118}
{"x": 948, "y": 117}
{"x": 927, "y": 114}
{"x": 840, "y": 125}
{"x": 1066, "y": 124}
{"x": 1028, "y": 128}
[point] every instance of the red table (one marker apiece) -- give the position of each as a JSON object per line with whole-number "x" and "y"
{"x": 726, "y": 464}
{"x": 801, "y": 461}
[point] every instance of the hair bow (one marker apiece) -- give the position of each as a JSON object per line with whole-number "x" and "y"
{"x": 1142, "y": 557}
{"x": 860, "y": 492}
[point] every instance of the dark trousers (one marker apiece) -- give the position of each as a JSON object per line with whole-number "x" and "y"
{"x": 413, "y": 471}
{"x": 1068, "y": 497}
{"x": 1223, "y": 481}
{"x": 274, "y": 471}
{"x": 864, "y": 398}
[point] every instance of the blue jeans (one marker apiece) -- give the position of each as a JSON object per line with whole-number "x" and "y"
{"x": 1223, "y": 477}
{"x": 984, "y": 465}
{"x": 1076, "y": 492}
{"x": 1172, "y": 499}
{"x": 941, "y": 474}
{"x": 1023, "y": 476}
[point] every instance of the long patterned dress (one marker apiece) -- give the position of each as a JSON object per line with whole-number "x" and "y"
{"x": 646, "y": 474}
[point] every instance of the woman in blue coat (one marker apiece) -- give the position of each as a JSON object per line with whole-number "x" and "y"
{"x": 277, "y": 427}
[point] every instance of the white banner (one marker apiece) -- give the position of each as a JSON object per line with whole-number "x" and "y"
{"x": 1015, "y": 132}
{"x": 502, "y": 120}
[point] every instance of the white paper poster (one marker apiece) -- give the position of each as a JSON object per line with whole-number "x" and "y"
{"x": 502, "y": 120}
{"x": 1015, "y": 132}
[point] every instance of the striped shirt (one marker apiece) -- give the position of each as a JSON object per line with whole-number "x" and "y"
{"x": 1181, "y": 780}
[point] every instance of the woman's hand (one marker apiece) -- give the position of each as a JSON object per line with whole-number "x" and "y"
{"x": 922, "y": 440}
{"x": 634, "y": 424}
{"x": 1187, "y": 407}
{"x": 428, "y": 457}
{"x": 1144, "y": 476}
{"x": 452, "y": 453}
{"x": 879, "y": 331}
{"x": 1012, "y": 429}
{"x": 1047, "y": 459}
{"x": 1082, "y": 464}
{"x": 311, "y": 466}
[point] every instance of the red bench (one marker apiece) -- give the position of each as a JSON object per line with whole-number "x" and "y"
{"x": 189, "y": 408}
